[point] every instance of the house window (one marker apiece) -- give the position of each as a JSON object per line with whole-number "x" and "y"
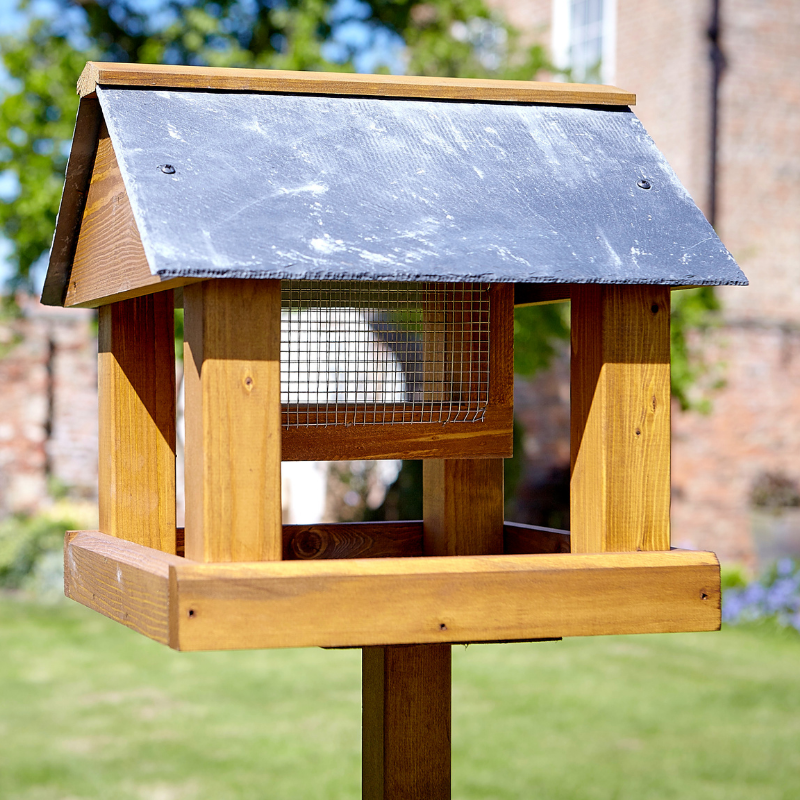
{"x": 584, "y": 39}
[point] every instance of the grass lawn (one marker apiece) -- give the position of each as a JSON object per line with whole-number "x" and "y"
{"x": 89, "y": 709}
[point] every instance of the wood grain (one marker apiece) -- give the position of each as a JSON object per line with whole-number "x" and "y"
{"x": 109, "y": 257}
{"x": 520, "y": 539}
{"x": 109, "y": 264}
{"x": 501, "y": 346}
{"x": 262, "y": 80}
{"x": 73, "y": 201}
{"x": 394, "y": 540}
{"x": 463, "y": 506}
{"x": 620, "y": 419}
{"x": 382, "y": 601}
{"x": 352, "y": 540}
{"x": 122, "y": 580}
{"x": 233, "y": 436}
{"x": 406, "y": 690}
{"x": 136, "y": 385}
{"x": 406, "y": 697}
{"x": 358, "y": 602}
{"x": 491, "y": 438}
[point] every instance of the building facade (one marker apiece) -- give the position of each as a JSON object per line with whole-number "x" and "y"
{"x": 739, "y": 465}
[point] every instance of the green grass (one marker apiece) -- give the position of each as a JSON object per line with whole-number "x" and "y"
{"x": 90, "y": 710}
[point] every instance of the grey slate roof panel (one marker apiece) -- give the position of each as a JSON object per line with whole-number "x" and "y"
{"x": 354, "y": 188}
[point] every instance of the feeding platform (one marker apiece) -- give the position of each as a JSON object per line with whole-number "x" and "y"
{"x": 348, "y": 251}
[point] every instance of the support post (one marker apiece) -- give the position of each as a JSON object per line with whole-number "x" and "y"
{"x": 136, "y": 387}
{"x": 620, "y": 419}
{"x": 233, "y": 417}
{"x": 406, "y": 690}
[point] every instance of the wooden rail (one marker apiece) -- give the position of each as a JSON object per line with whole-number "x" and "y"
{"x": 394, "y": 540}
{"x": 364, "y": 602}
{"x": 165, "y": 76}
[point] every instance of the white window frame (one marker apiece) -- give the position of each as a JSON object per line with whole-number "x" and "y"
{"x": 561, "y": 35}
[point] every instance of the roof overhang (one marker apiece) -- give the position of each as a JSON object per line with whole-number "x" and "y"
{"x": 259, "y": 174}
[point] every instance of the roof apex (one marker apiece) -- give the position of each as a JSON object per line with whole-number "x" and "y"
{"x": 159, "y": 76}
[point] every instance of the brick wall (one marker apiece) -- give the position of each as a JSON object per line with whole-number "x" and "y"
{"x": 48, "y": 407}
{"x": 754, "y": 428}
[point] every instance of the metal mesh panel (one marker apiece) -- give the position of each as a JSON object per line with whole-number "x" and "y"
{"x": 356, "y": 352}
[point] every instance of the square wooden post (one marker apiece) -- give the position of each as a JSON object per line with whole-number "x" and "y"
{"x": 406, "y": 690}
{"x": 233, "y": 420}
{"x": 136, "y": 385}
{"x": 620, "y": 419}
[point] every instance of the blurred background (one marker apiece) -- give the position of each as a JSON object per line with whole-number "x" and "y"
{"x": 718, "y": 88}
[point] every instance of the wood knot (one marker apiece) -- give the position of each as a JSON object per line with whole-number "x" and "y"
{"x": 308, "y": 543}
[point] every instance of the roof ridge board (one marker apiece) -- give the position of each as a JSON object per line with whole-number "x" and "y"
{"x": 159, "y": 76}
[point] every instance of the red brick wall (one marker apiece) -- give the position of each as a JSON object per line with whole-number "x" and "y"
{"x": 48, "y": 407}
{"x": 662, "y": 54}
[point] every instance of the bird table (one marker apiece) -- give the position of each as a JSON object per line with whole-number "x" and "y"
{"x": 348, "y": 251}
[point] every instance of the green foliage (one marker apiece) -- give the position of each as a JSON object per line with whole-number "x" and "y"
{"x": 30, "y": 545}
{"x": 537, "y": 329}
{"x": 733, "y": 576}
{"x": 694, "y": 376}
{"x": 37, "y": 116}
{"x": 443, "y": 37}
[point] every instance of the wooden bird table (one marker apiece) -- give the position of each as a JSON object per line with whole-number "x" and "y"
{"x": 152, "y": 217}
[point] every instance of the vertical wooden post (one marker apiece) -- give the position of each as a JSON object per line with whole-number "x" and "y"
{"x": 462, "y": 505}
{"x": 406, "y": 690}
{"x": 233, "y": 447}
{"x": 620, "y": 419}
{"x": 136, "y": 385}
{"x": 406, "y": 722}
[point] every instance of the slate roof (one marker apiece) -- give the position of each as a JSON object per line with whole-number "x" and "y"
{"x": 266, "y": 185}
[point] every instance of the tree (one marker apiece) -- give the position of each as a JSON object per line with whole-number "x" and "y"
{"x": 442, "y": 37}
{"x": 451, "y": 38}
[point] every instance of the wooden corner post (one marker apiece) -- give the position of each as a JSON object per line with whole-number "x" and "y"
{"x": 620, "y": 419}
{"x": 136, "y": 387}
{"x": 233, "y": 418}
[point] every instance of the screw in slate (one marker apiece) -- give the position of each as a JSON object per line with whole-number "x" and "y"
{"x": 168, "y": 169}
{"x": 644, "y": 184}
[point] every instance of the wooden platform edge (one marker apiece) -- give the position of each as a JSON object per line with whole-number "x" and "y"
{"x": 381, "y": 601}
{"x": 160, "y": 76}
{"x": 124, "y": 581}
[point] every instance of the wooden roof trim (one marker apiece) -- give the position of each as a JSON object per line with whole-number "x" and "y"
{"x": 157, "y": 76}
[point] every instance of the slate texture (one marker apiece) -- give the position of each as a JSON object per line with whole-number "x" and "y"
{"x": 353, "y": 188}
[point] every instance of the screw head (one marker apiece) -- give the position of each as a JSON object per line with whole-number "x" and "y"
{"x": 167, "y": 169}
{"x": 644, "y": 184}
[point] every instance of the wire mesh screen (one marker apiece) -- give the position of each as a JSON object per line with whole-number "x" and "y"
{"x": 378, "y": 353}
